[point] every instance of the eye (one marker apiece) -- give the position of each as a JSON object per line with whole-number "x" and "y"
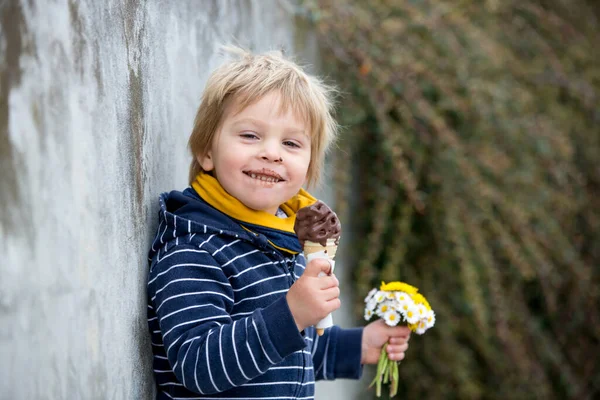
{"x": 248, "y": 135}
{"x": 292, "y": 144}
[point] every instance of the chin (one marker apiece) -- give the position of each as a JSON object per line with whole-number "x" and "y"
{"x": 267, "y": 209}
{"x": 259, "y": 206}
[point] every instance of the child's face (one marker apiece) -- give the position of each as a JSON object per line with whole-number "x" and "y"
{"x": 260, "y": 156}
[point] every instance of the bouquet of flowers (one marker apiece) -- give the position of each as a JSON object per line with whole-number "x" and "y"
{"x": 397, "y": 302}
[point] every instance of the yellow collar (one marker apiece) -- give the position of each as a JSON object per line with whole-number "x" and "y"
{"x": 213, "y": 193}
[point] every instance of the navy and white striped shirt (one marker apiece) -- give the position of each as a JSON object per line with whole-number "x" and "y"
{"x": 220, "y": 324}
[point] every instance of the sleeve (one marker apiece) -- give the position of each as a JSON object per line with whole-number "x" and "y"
{"x": 337, "y": 353}
{"x": 208, "y": 351}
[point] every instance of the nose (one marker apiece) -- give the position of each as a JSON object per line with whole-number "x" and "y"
{"x": 271, "y": 152}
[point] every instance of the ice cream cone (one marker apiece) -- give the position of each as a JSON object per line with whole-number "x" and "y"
{"x": 314, "y": 224}
{"x": 312, "y": 251}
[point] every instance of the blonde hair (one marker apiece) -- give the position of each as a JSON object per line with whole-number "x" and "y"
{"x": 248, "y": 78}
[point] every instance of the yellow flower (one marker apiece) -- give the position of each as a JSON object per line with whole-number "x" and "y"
{"x": 398, "y": 286}
{"x": 418, "y": 298}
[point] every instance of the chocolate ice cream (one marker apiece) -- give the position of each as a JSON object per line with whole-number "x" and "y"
{"x": 317, "y": 223}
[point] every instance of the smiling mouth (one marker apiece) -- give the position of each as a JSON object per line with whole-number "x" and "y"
{"x": 265, "y": 175}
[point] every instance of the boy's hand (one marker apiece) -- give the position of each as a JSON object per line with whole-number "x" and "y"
{"x": 378, "y": 333}
{"x": 311, "y": 298}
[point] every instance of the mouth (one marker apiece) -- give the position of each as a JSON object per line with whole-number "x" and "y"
{"x": 265, "y": 175}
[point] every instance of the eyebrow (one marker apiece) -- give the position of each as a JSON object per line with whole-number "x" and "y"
{"x": 261, "y": 124}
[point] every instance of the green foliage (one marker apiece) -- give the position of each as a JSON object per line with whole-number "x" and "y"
{"x": 472, "y": 150}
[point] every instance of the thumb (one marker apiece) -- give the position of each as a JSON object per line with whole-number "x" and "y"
{"x": 317, "y": 265}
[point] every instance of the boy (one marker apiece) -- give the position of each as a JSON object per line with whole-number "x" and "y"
{"x": 232, "y": 302}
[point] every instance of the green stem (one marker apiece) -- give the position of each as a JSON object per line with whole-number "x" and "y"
{"x": 383, "y": 366}
{"x": 386, "y": 376}
{"x": 395, "y": 379}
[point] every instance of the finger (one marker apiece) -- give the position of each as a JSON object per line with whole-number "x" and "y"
{"x": 331, "y": 293}
{"x": 337, "y": 282}
{"x": 326, "y": 282}
{"x": 396, "y": 356}
{"x": 317, "y": 265}
{"x": 398, "y": 339}
{"x": 399, "y": 331}
{"x": 397, "y": 352}
{"x": 333, "y": 305}
{"x": 393, "y": 349}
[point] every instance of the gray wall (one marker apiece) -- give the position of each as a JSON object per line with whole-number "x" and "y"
{"x": 97, "y": 99}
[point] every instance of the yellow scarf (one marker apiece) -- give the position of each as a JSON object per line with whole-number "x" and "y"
{"x": 213, "y": 193}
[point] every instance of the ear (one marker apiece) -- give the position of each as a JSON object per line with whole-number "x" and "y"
{"x": 206, "y": 161}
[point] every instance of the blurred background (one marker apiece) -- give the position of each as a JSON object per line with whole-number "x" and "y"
{"x": 469, "y": 166}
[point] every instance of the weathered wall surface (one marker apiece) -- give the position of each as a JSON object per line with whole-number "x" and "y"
{"x": 97, "y": 99}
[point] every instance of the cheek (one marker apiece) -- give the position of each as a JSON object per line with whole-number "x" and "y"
{"x": 306, "y": 162}
{"x": 299, "y": 168}
{"x": 231, "y": 158}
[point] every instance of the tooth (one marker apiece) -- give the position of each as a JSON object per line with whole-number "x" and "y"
{"x": 253, "y": 175}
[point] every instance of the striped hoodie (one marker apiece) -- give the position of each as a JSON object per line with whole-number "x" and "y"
{"x": 218, "y": 317}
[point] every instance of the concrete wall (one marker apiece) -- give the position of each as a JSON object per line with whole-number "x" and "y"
{"x": 97, "y": 99}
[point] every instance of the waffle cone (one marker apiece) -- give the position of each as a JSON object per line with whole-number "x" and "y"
{"x": 312, "y": 247}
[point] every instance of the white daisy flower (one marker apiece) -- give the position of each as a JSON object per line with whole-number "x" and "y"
{"x": 368, "y": 314}
{"x": 371, "y": 294}
{"x": 391, "y": 318}
{"x": 411, "y": 313}
{"x": 379, "y": 296}
{"x": 405, "y": 306}
{"x": 371, "y": 304}
{"x": 422, "y": 311}
{"x": 390, "y": 295}
{"x": 404, "y": 300}
{"x": 392, "y": 304}
{"x": 401, "y": 297}
{"x": 421, "y": 328}
{"x": 383, "y": 308}
{"x": 430, "y": 319}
